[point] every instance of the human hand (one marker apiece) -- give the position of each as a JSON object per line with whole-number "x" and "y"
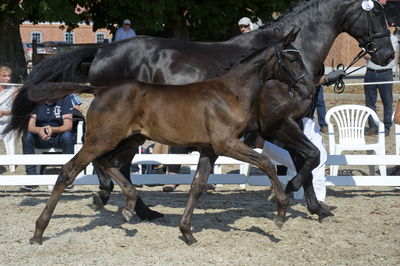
{"x": 334, "y": 76}
{"x": 46, "y": 132}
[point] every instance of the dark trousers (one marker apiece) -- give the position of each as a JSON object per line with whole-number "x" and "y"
{"x": 385, "y": 92}
{"x": 321, "y": 109}
{"x": 31, "y": 141}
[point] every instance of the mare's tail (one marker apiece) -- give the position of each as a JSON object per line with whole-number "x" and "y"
{"x": 62, "y": 67}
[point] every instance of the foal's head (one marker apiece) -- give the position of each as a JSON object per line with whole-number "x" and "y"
{"x": 288, "y": 66}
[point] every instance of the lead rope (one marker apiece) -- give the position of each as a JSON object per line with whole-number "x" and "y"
{"x": 339, "y": 85}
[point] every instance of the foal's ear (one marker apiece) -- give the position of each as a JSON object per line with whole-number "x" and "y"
{"x": 291, "y": 36}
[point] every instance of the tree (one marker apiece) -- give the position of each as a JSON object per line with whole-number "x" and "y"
{"x": 200, "y": 20}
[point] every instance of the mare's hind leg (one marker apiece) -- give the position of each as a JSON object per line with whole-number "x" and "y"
{"x": 240, "y": 151}
{"x": 66, "y": 177}
{"x": 204, "y": 168}
{"x": 291, "y": 135}
{"x": 106, "y": 186}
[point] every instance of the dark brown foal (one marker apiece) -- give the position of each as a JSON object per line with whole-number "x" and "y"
{"x": 211, "y": 115}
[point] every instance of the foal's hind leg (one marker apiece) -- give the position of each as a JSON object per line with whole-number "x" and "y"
{"x": 130, "y": 192}
{"x": 204, "y": 168}
{"x": 240, "y": 151}
{"x": 66, "y": 177}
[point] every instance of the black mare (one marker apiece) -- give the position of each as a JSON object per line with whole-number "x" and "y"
{"x": 169, "y": 61}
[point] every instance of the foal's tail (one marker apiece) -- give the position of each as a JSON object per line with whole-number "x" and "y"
{"x": 34, "y": 95}
{"x": 62, "y": 67}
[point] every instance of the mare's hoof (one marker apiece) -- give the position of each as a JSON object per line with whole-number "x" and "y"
{"x": 35, "y": 241}
{"x": 323, "y": 214}
{"x": 279, "y": 221}
{"x": 128, "y": 215}
{"x": 97, "y": 203}
{"x": 151, "y": 215}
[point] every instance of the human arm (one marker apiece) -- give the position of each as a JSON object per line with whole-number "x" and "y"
{"x": 15, "y": 91}
{"x": 46, "y": 132}
{"x": 66, "y": 126}
{"x": 118, "y": 35}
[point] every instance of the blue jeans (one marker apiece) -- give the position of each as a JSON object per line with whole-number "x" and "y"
{"x": 65, "y": 141}
{"x": 321, "y": 109}
{"x": 385, "y": 92}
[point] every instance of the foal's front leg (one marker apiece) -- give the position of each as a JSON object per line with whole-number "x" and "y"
{"x": 240, "y": 151}
{"x": 204, "y": 168}
{"x": 66, "y": 177}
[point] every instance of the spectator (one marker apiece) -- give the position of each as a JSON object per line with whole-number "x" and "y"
{"x": 376, "y": 73}
{"x": 125, "y": 32}
{"x": 245, "y": 25}
{"x": 50, "y": 126}
{"x": 7, "y": 94}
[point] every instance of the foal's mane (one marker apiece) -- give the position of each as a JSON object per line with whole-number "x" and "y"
{"x": 250, "y": 54}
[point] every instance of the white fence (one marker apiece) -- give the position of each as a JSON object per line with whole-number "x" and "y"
{"x": 192, "y": 159}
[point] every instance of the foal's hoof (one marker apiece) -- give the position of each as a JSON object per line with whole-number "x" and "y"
{"x": 97, "y": 203}
{"x": 36, "y": 241}
{"x": 279, "y": 221}
{"x": 323, "y": 214}
{"x": 128, "y": 215}
{"x": 191, "y": 241}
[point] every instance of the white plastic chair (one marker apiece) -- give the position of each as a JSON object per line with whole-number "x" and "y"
{"x": 351, "y": 121}
{"x": 9, "y": 143}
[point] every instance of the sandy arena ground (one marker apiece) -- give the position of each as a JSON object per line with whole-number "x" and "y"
{"x": 232, "y": 227}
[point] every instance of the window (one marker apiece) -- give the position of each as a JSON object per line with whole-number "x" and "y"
{"x": 100, "y": 37}
{"x": 36, "y": 35}
{"x": 69, "y": 37}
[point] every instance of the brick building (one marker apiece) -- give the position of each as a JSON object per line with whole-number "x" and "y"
{"x": 43, "y": 32}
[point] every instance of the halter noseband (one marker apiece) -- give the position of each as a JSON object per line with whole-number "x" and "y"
{"x": 284, "y": 69}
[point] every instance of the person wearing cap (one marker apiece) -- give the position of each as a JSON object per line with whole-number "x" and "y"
{"x": 125, "y": 32}
{"x": 245, "y": 25}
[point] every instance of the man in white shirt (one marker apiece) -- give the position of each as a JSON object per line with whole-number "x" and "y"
{"x": 125, "y": 32}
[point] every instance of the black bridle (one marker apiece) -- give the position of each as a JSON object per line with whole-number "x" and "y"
{"x": 284, "y": 69}
{"x": 369, "y": 43}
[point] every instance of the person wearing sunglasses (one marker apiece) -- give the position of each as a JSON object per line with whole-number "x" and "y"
{"x": 125, "y": 32}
